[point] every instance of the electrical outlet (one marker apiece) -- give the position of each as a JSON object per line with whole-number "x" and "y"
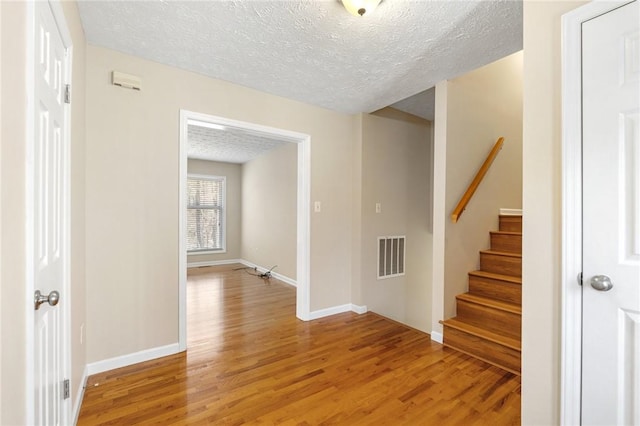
{"x": 317, "y": 207}
{"x": 378, "y": 207}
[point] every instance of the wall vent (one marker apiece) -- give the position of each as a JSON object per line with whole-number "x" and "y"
{"x": 127, "y": 81}
{"x": 391, "y": 255}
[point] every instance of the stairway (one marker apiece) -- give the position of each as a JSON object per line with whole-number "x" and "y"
{"x": 489, "y": 316}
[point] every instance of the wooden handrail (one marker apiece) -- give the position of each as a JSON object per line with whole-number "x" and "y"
{"x": 457, "y": 212}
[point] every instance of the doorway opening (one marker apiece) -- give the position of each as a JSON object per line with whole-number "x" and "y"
{"x": 302, "y": 214}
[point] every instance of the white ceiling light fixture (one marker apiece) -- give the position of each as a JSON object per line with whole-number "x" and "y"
{"x": 360, "y": 7}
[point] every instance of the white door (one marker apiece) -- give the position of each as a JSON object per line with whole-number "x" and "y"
{"x": 611, "y": 218}
{"x": 49, "y": 167}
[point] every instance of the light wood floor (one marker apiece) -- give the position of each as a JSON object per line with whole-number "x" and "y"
{"x": 250, "y": 361}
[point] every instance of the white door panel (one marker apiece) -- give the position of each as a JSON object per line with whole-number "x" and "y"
{"x": 611, "y": 217}
{"x": 50, "y": 234}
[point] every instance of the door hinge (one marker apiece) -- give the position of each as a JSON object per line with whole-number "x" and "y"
{"x": 67, "y": 94}
{"x": 65, "y": 389}
{"x": 579, "y": 278}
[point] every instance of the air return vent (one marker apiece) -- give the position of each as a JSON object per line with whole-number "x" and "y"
{"x": 390, "y": 256}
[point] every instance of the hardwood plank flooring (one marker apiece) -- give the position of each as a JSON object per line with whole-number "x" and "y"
{"x": 250, "y": 361}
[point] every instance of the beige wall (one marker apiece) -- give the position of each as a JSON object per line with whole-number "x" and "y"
{"x": 132, "y": 194}
{"x": 396, "y": 169}
{"x": 233, "y": 173}
{"x": 12, "y": 182}
{"x": 269, "y": 210}
{"x": 12, "y": 240}
{"x": 481, "y": 106}
{"x": 0, "y": 213}
{"x": 541, "y": 245}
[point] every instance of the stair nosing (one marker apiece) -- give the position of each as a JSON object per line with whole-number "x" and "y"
{"x": 483, "y": 359}
{"x": 501, "y": 253}
{"x": 491, "y": 303}
{"x": 506, "y": 233}
{"x": 496, "y": 276}
{"x": 484, "y": 334}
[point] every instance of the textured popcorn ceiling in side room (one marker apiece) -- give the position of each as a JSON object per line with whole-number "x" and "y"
{"x": 313, "y": 51}
{"x": 229, "y": 145}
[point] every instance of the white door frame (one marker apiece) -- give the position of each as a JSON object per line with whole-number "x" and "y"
{"x": 65, "y": 287}
{"x": 303, "y": 210}
{"x": 571, "y": 341}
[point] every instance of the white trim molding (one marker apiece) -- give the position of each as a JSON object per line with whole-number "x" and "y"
{"x": 262, "y": 270}
{"x": 303, "y": 228}
{"x": 213, "y": 263}
{"x": 436, "y": 336}
{"x": 334, "y": 310}
{"x": 571, "y": 291}
{"x": 133, "y": 358}
{"x": 182, "y": 231}
{"x": 510, "y": 212}
{"x": 77, "y": 404}
{"x": 359, "y": 309}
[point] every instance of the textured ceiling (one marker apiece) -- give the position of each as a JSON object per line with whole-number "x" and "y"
{"x": 229, "y": 145}
{"x": 313, "y": 50}
{"x": 423, "y": 104}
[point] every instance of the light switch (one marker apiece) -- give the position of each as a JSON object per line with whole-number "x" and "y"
{"x": 317, "y": 207}
{"x": 378, "y": 207}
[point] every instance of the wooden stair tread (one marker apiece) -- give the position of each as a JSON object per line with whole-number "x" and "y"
{"x": 506, "y": 341}
{"x": 506, "y": 233}
{"x": 491, "y": 303}
{"x": 501, "y": 253}
{"x": 489, "y": 321}
{"x": 494, "y": 276}
{"x": 481, "y": 358}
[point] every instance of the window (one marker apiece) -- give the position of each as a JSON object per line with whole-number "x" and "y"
{"x": 205, "y": 213}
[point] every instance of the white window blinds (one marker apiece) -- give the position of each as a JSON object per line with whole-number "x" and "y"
{"x": 205, "y": 213}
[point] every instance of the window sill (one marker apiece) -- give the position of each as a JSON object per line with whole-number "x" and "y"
{"x": 198, "y": 253}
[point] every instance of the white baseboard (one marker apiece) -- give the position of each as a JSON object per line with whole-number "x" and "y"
{"x": 347, "y": 307}
{"x": 212, "y": 263}
{"x": 359, "y": 309}
{"x": 262, "y": 269}
{"x": 133, "y": 358}
{"x": 511, "y": 212}
{"x": 437, "y": 336}
{"x": 77, "y": 404}
{"x": 259, "y": 268}
{"x": 283, "y": 278}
